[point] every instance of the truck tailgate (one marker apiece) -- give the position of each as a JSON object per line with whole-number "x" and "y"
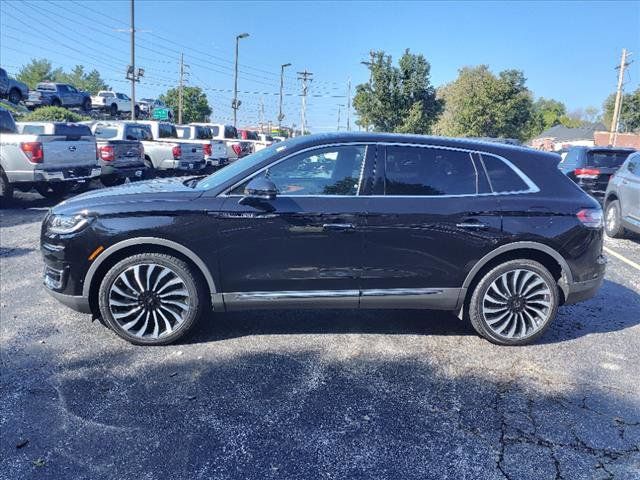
{"x": 125, "y": 152}
{"x": 191, "y": 152}
{"x": 62, "y": 152}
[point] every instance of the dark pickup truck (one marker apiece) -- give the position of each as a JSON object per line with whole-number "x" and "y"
{"x": 58, "y": 95}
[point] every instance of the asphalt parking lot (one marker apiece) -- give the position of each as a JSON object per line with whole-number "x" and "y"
{"x": 329, "y": 394}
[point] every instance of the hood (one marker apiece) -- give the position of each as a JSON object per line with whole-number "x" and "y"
{"x": 126, "y": 197}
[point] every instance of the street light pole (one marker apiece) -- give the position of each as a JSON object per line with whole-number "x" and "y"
{"x": 280, "y": 115}
{"x": 235, "y": 103}
{"x": 133, "y": 63}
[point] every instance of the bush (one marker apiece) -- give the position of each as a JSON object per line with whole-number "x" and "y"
{"x": 54, "y": 114}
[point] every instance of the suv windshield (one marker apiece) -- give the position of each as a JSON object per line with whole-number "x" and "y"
{"x": 606, "y": 158}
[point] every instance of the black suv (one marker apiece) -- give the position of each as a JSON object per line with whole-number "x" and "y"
{"x": 592, "y": 167}
{"x": 362, "y": 220}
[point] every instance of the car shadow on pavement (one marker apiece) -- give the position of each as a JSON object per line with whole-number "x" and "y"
{"x": 147, "y": 413}
{"x": 6, "y": 252}
{"x": 614, "y": 308}
{"x": 219, "y": 326}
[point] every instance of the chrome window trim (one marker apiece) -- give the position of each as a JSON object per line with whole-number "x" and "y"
{"x": 225, "y": 193}
{"x": 533, "y": 188}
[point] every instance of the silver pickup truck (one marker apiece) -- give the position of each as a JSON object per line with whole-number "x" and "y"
{"x": 120, "y": 152}
{"x": 52, "y": 162}
{"x": 215, "y": 151}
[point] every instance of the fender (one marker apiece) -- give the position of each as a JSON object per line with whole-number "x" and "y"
{"x": 563, "y": 283}
{"x": 149, "y": 241}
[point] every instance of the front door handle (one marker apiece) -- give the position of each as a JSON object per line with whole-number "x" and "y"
{"x": 338, "y": 227}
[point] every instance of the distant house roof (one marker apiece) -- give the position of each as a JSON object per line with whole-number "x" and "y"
{"x": 560, "y": 133}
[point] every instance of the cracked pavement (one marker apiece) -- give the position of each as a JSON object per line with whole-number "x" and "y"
{"x": 326, "y": 394}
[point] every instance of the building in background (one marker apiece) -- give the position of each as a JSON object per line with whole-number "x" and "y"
{"x": 559, "y": 137}
{"x": 631, "y": 140}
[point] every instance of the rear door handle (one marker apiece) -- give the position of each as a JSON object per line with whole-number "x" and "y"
{"x": 338, "y": 227}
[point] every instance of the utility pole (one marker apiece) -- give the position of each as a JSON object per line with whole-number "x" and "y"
{"x": 617, "y": 108}
{"x": 180, "y": 91}
{"x": 133, "y": 63}
{"x": 305, "y": 77}
{"x": 261, "y": 115}
{"x": 280, "y": 115}
{"x": 339, "y": 107}
{"x": 235, "y": 104}
{"x": 349, "y": 107}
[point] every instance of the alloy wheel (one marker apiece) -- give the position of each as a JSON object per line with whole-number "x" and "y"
{"x": 612, "y": 218}
{"x": 517, "y": 304}
{"x": 149, "y": 300}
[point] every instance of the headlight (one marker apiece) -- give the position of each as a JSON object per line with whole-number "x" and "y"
{"x": 67, "y": 223}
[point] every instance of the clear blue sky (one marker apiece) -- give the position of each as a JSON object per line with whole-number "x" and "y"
{"x": 568, "y": 50}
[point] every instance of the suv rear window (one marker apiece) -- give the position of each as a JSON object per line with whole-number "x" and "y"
{"x": 166, "y": 130}
{"x": 501, "y": 176}
{"x": 429, "y": 171}
{"x": 606, "y": 158}
{"x": 230, "y": 132}
{"x": 106, "y": 132}
{"x": 203, "y": 133}
{"x": 138, "y": 132}
{"x": 71, "y": 130}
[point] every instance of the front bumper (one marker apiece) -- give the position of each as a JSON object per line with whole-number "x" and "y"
{"x": 77, "y": 303}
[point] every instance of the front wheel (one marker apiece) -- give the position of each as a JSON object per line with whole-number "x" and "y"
{"x": 514, "y": 303}
{"x": 151, "y": 299}
{"x": 613, "y": 223}
{"x": 15, "y": 96}
{"x": 86, "y": 105}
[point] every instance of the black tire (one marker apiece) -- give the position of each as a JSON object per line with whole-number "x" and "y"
{"x": 86, "y": 105}
{"x": 6, "y": 189}
{"x": 150, "y": 171}
{"x": 56, "y": 102}
{"x": 136, "y": 110}
{"x": 613, "y": 221}
{"x": 54, "y": 191}
{"x": 113, "y": 110}
{"x": 112, "y": 180}
{"x": 547, "y": 293}
{"x": 15, "y": 96}
{"x": 144, "y": 310}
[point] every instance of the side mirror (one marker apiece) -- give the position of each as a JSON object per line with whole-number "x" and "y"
{"x": 259, "y": 189}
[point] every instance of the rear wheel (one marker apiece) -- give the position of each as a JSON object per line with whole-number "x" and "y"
{"x": 514, "y": 303}
{"x": 86, "y": 105}
{"x": 613, "y": 222}
{"x": 151, "y": 299}
{"x": 6, "y": 189}
{"x": 150, "y": 170}
{"x": 113, "y": 110}
{"x": 56, "y": 102}
{"x": 54, "y": 190}
{"x": 15, "y": 96}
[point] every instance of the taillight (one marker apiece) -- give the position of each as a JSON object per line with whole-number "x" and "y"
{"x": 142, "y": 151}
{"x": 590, "y": 217}
{"x": 586, "y": 172}
{"x": 107, "y": 153}
{"x": 177, "y": 152}
{"x": 207, "y": 150}
{"x": 237, "y": 148}
{"x": 33, "y": 151}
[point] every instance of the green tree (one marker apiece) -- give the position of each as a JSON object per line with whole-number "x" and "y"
{"x": 546, "y": 113}
{"x": 481, "y": 104}
{"x": 398, "y": 99}
{"x": 53, "y": 114}
{"x": 629, "y": 114}
{"x": 195, "y": 104}
{"x": 36, "y": 71}
{"x": 90, "y": 82}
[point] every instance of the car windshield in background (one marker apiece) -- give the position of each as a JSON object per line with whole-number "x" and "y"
{"x": 105, "y": 94}
{"x": 106, "y": 132}
{"x": 166, "y": 130}
{"x": 230, "y": 132}
{"x": 7, "y": 125}
{"x": 606, "y": 158}
{"x": 203, "y": 133}
{"x": 138, "y": 132}
{"x": 71, "y": 130}
{"x": 46, "y": 86}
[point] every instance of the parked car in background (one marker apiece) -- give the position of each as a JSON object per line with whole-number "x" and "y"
{"x": 148, "y": 105}
{"x": 389, "y": 221}
{"x": 12, "y": 89}
{"x": 622, "y": 200}
{"x": 164, "y": 152}
{"x": 121, "y": 153}
{"x": 58, "y": 95}
{"x": 592, "y": 167}
{"x": 51, "y": 157}
{"x": 113, "y": 103}
{"x": 248, "y": 135}
{"x": 215, "y": 151}
{"x": 229, "y": 135}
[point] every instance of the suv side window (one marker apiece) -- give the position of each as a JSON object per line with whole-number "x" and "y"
{"x": 501, "y": 176}
{"x": 325, "y": 171}
{"x": 138, "y": 132}
{"x": 426, "y": 171}
{"x": 571, "y": 161}
{"x": 632, "y": 166}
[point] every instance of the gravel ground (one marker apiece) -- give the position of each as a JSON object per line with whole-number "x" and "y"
{"x": 329, "y": 394}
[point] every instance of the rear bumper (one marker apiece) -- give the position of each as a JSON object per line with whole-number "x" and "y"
{"x": 581, "y": 291}
{"x": 54, "y": 175}
{"x": 182, "y": 165}
{"x": 217, "y": 162}
{"x": 124, "y": 172}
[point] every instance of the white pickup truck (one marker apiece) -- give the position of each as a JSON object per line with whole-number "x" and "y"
{"x": 229, "y": 135}
{"x": 164, "y": 154}
{"x": 215, "y": 151}
{"x": 52, "y": 161}
{"x": 112, "y": 102}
